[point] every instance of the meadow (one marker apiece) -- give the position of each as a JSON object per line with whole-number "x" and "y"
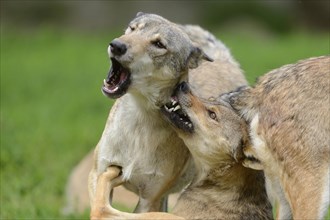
{"x": 53, "y": 111}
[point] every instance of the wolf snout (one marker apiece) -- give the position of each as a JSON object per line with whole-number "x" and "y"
{"x": 117, "y": 47}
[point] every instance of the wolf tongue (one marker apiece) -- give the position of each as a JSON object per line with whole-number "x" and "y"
{"x": 122, "y": 75}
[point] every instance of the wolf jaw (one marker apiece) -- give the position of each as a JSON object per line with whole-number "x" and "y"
{"x": 118, "y": 80}
{"x": 177, "y": 116}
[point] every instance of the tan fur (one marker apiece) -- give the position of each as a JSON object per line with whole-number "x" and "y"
{"x": 288, "y": 112}
{"x": 154, "y": 160}
{"x": 222, "y": 188}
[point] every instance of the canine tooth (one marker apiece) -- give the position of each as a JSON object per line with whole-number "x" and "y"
{"x": 171, "y": 109}
{"x": 177, "y": 108}
{"x": 190, "y": 125}
{"x": 166, "y": 108}
{"x": 174, "y": 102}
{"x": 105, "y": 82}
{"x": 186, "y": 123}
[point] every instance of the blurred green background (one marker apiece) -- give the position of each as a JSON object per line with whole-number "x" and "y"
{"x": 53, "y": 61}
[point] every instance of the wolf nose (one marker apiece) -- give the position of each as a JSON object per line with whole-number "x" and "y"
{"x": 184, "y": 87}
{"x": 118, "y": 48}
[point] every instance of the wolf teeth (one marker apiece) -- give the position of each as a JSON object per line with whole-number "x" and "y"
{"x": 173, "y": 107}
{"x": 105, "y": 83}
{"x": 177, "y": 108}
{"x": 168, "y": 109}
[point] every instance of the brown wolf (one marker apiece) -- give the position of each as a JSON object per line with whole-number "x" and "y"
{"x": 148, "y": 61}
{"x": 289, "y": 124}
{"x": 222, "y": 187}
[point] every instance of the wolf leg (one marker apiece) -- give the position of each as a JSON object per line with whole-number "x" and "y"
{"x": 101, "y": 208}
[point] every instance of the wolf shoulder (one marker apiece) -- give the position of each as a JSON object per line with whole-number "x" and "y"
{"x": 290, "y": 88}
{"x": 293, "y": 102}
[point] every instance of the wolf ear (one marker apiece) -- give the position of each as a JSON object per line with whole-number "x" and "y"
{"x": 196, "y": 56}
{"x": 237, "y": 99}
{"x": 139, "y": 14}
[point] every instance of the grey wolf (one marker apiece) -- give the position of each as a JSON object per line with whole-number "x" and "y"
{"x": 222, "y": 187}
{"x": 288, "y": 116}
{"x": 148, "y": 61}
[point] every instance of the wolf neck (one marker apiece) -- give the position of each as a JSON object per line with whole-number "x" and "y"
{"x": 231, "y": 178}
{"x": 154, "y": 95}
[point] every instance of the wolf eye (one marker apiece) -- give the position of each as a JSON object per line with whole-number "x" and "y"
{"x": 130, "y": 29}
{"x": 212, "y": 114}
{"x": 158, "y": 44}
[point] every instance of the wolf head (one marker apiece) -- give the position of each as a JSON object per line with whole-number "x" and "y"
{"x": 150, "y": 58}
{"x": 211, "y": 128}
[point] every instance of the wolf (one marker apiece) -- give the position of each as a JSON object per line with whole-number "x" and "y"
{"x": 222, "y": 187}
{"x": 148, "y": 61}
{"x": 288, "y": 116}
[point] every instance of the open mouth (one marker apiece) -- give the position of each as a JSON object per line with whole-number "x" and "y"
{"x": 177, "y": 116}
{"x": 117, "y": 81}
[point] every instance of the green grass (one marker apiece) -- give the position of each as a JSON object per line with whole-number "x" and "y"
{"x": 53, "y": 113}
